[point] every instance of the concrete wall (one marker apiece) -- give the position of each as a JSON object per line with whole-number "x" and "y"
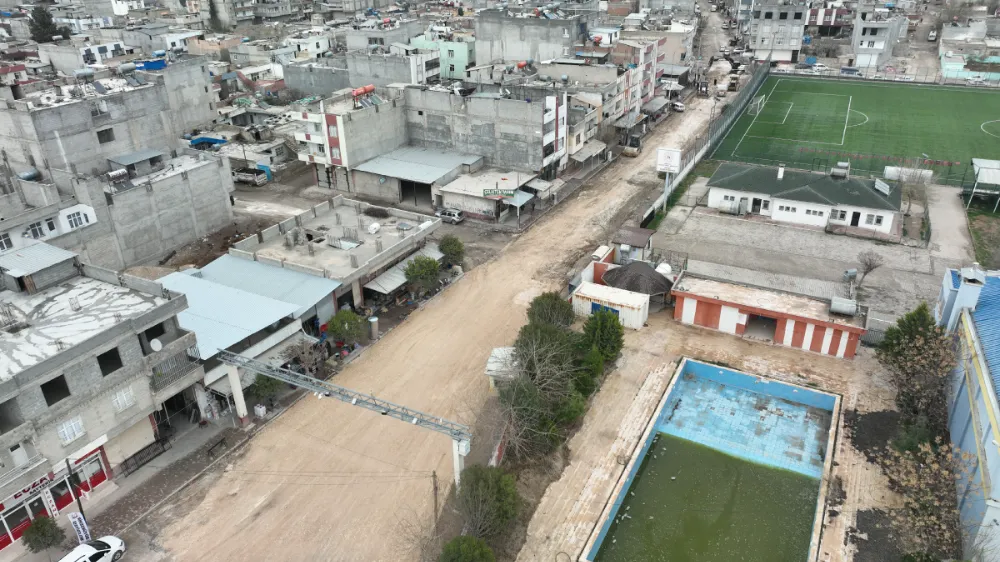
{"x": 368, "y": 185}
{"x": 502, "y": 38}
{"x": 316, "y": 80}
{"x": 380, "y": 70}
{"x": 359, "y": 38}
{"x": 457, "y": 54}
{"x": 371, "y": 132}
{"x": 508, "y": 132}
{"x": 129, "y": 442}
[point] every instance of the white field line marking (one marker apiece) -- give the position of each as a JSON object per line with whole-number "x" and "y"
{"x": 733, "y": 153}
{"x": 811, "y": 93}
{"x": 983, "y": 127}
{"x": 782, "y": 122}
{"x": 859, "y": 113}
{"x": 843, "y": 137}
{"x": 797, "y": 140}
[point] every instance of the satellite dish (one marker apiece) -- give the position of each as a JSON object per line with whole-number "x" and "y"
{"x": 155, "y": 344}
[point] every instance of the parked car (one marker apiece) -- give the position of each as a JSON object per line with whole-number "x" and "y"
{"x": 678, "y": 106}
{"x": 820, "y": 67}
{"x": 932, "y": 36}
{"x": 104, "y": 549}
{"x": 454, "y": 216}
{"x": 714, "y": 8}
{"x": 976, "y": 81}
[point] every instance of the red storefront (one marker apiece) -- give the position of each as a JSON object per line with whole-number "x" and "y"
{"x": 50, "y": 494}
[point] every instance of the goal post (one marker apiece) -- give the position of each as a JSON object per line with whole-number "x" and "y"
{"x": 756, "y": 105}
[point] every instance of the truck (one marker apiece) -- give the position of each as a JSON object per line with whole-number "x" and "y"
{"x": 633, "y": 146}
{"x": 252, "y": 176}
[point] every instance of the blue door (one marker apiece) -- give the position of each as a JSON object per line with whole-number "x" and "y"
{"x": 594, "y": 307}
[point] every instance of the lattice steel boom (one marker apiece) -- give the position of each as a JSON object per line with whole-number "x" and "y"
{"x": 456, "y": 431}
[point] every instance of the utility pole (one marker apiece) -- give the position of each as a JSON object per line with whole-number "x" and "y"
{"x": 434, "y": 479}
{"x": 79, "y": 504}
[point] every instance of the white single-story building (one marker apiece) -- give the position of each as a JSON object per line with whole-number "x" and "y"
{"x": 807, "y": 198}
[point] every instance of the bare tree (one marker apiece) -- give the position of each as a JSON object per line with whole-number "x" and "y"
{"x": 868, "y": 261}
{"x": 308, "y": 358}
{"x": 419, "y": 536}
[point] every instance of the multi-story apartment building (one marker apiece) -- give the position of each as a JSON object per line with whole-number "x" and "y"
{"x": 261, "y": 51}
{"x": 647, "y": 55}
{"x": 91, "y": 363}
{"x": 777, "y": 28}
{"x": 876, "y": 30}
{"x": 457, "y": 51}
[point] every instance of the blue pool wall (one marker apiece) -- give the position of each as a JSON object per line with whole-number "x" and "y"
{"x": 720, "y": 375}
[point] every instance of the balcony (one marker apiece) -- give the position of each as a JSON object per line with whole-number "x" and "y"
{"x": 311, "y": 137}
{"x": 22, "y": 476}
{"x": 314, "y": 158}
{"x": 174, "y": 370}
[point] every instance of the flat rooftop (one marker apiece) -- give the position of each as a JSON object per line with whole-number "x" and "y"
{"x": 64, "y": 94}
{"x": 475, "y": 184}
{"x": 331, "y": 233}
{"x": 42, "y": 325}
{"x": 767, "y": 299}
{"x": 170, "y": 168}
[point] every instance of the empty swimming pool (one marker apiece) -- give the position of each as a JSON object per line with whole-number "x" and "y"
{"x": 729, "y": 469}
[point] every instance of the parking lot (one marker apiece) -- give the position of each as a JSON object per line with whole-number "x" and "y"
{"x": 910, "y": 274}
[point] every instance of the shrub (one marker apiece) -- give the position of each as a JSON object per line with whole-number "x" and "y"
{"x": 912, "y": 435}
{"x": 377, "y": 212}
{"x": 423, "y": 272}
{"x": 920, "y": 557}
{"x": 550, "y": 308}
{"x": 345, "y": 326}
{"x": 605, "y": 332}
{"x": 590, "y": 371}
{"x": 453, "y": 249}
{"x": 264, "y": 387}
{"x": 487, "y": 500}
{"x": 466, "y": 549}
{"x": 571, "y": 409}
{"x": 43, "y": 534}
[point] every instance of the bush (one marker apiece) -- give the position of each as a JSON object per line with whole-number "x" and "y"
{"x": 545, "y": 349}
{"x": 920, "y": 557}
{"x": 591, "y": 369}
{"x": 571, "y": 409}
{"x": 377, "y": 212}
{"x": 453, "y": 249}
{"x": 423, "y": 272}
{"x": 912, "y": 435}
{"x": 43, "y": 534}
{"x": 487, "y": 500}
{"x": 550, "y": 308}
{"x": 264, "y": 387}
{"x": 466, "y": 549}
{"x": 345, "y": 326}
{"x": 606, "y": 333}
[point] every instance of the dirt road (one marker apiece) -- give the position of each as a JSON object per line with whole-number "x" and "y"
{"x": 328, "y": 481}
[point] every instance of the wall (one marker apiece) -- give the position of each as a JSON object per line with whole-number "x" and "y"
{"x": 799, "y": 216}
{"x": 314, "y": 79}
{"x": 500, "y": 38}
{"x": 368, "y": 185}
{"x": 370, "y": 132}
{"x": 716, "y": 199}
{"x": 129, "y": 442}
{"x": 357, "y": 39}
{"x": 888, "y": 218}
{"x": 380, "y": 70}
{"x": 505, "y": 131}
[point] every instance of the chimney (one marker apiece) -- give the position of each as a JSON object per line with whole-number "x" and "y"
{"x": 966, "y": 285}
{"x": 354, "y": 260}
{"x": 781, "y": 171}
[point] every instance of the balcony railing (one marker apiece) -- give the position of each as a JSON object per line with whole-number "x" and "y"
{"x": 19, "y": 471}
{"x": 171, "y": 371}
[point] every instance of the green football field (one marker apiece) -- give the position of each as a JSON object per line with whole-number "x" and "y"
{"x": 810, "y": 123}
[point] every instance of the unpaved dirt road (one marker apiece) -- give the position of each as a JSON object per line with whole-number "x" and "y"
{"x": 328, "y": 481}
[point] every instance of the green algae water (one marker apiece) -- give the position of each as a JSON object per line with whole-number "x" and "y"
{"x": 691, "y": 503}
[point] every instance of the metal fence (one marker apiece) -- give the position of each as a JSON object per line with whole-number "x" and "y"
{"x": 888, "y": 74}
{"x": 876, "y": 324}
{"x": 146, "y": 454}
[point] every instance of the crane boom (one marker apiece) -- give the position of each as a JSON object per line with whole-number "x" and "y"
{"x": 456, "y": 431}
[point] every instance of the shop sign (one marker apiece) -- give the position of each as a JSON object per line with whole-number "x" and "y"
{"x": 80, "y": 526}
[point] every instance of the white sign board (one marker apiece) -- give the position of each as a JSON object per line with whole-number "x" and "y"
{"x": 668, "y": 160}
{"x": 80, "y": 526}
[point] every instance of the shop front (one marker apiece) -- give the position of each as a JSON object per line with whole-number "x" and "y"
{"x": 50, "y": 494}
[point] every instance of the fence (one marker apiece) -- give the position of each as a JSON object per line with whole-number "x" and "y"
{"x": 961, "y": 78}
{"x": 876, "y": 325}
{"x": 146, "y": 454}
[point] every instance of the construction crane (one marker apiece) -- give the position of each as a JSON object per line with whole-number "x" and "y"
{"x": 461, "y": 436}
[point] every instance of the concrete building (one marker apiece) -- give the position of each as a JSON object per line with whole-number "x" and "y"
{"x": 673, "y": 45}
{"x": 215, "y": 47}
{"x": 500, "y": 37}
{"x": 73, "y": 54}
{"x": 110, "y": 8}
{"x": 645, "y": 55}
{"x": 77, "y": 124}
{"x": 970, "y": 50}
{"x": 399, "y": 64}
{"x": 375, "y": 32}
{"x": 150, "y": 37}
{"x": 411, "y": 177}
{"x": 457, "y": 51}
{"x": 13, "y": 74}
{"x": 93, "y": 369}
{"x": 769, "y": 314}
{"x": 876, "y": 31}
{"x": 310, "y": 44}
{"x": 490, "y": 195}
{"x": 317, "y": 78}
{"x": 777, "y": 28}
{"x": 806, "y": 198}
{"x": 262, "y": 51}
{"x": 968, "y": 306}
{"x": 337, "y": 240}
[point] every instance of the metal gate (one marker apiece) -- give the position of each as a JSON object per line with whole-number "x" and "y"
{"x": 146, "y": 454}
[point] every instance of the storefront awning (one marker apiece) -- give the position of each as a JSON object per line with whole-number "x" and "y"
{"x": 630, "y": 121}
{"x": 654, "y": 105}
{"x": 519, "y": 199}
{"x": 589, "y": 150}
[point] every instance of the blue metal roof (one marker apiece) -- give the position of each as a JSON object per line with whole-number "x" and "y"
{"x": 987, "y": 320}
{"x": 955, "y": 278}
{"x": 300, "y": 289}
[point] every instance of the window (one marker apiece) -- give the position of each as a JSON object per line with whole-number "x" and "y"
{"x": 75, "y": 219}
{"x": 873, "y": 31}
{"x": 71, "y": 430}
{"x": 55, "y": 390}
{"x": 798, "y": 15}
{"x": 5, "y": 243}
{"x": 335, "y": 153}
{"x": 878, "y": 220}
{"x": 729, "y": 198}
{"x": 756, "y": 14}
{"x": 783, "y": 16}
{"x": 768, "y": 15}
{"x": 840, "y": 215}
{"x": 51, "y": 223}
{"x": 206, "y": 89}
{"x": 123, "y": 399}
{"x": 819, "y": 213}
{"x": 779, "y": 41}
{"x": 871, "y": 44}
{"x": 36, "y": 230}
{"x": 869, "y": 219}
{"x": 105, "y": 135}
{"x": 333, "y": 131}
{"x": 451, "y": 68}
{"x": 765, "y": 205}
{"x": 109, "y": 361}
{"x": 451, "y": 53}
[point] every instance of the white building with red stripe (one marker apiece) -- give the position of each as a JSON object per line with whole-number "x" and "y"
{"x": 793, "y": 320}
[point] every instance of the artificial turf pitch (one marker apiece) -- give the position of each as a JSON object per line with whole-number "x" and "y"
{"x": 811, "y": 123}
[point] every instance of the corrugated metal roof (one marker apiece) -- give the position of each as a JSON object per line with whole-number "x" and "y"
{"x": 591, "y": 148}
{"x": 395, "y": 276}
{"x": 633, "y": 236}
{"x": 135, "y": 157}
{"x": 269, "y": 281}
{"x": 987, "y": 320}
{"x": 987, "y": 171}
{"x": 420, "y": 165}
{"x": 611, "y": 294}
{"x": 32, "y": 258}
{"x": 221, "y": 316}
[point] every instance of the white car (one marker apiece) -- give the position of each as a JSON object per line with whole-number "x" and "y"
{"x": 976, "y": 81}
{"x": 104, "y": 549}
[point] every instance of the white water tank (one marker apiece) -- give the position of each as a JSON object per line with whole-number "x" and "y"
{"x": 847, "y": 307}
{"x": 374, "y": 227}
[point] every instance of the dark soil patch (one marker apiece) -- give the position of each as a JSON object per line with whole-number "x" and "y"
{"x": 871, "y": 432}
{"x": 874, "y": 537}
{"x": 201, "y": 252}
{"x": 985, "y": 228}
{"x": 837, "y": 493}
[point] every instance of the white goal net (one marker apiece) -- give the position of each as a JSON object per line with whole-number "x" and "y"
{"x": 756, "y": 105}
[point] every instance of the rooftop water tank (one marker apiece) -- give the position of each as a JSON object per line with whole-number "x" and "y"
{"x": 847, "y": 307}
{"x": 159, "y": 53}
{"x": 83, "y": 73}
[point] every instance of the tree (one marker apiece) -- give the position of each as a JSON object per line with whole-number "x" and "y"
{"x": 264, "y": 388}
{"x": 464, "y": 548}
{"x": 550, "y": 308}
{"x": 43, "y": 28}
{"x": 919, "y": 356}
{"x": 868, "y": 261}
{"x": 43, "y": 534}
{"x": 487, "y": 500}
{"x": 926, "y": 480}
{"x": 452, "y": 248}
{"x": 422, "y": 272}
{"x": 590, "y": 371}
{"x": 345, "y": 326}
{"x": 308, "y": 358}
{"x": 605, "y": 331}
